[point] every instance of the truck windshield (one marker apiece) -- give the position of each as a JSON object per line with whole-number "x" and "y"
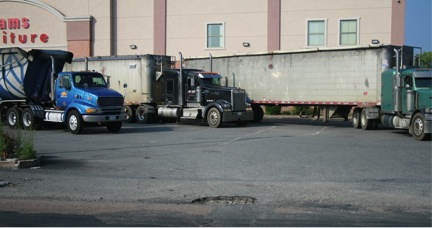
{"x": 423, "y": 82}
{"x": 89, "y": 80}
{"x": 209, "y": 82}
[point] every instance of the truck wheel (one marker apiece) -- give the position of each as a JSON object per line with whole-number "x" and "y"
{"x": 29, "y": 121}
{"x": 114, "y": 126}
{"x": 214, "y": 118}
{"x": 142, "y": 115}
{"x": 356, "y": 118}
{"x": 258, "y": 113}
{"x": 13, "y": 117}
{"x": 75, "y": 122}
{"x": 130, "y": 114}
{"x": 418, "y": 127}
{"x": 364, "y": 122}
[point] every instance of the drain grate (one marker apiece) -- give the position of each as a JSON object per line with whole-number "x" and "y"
{"x": 225, "y": 200}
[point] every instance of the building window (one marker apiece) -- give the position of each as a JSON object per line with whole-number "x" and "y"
{"x": 215, "y": 35}
{"x": 348, "y": 32}
{"x": 316, "y": 33}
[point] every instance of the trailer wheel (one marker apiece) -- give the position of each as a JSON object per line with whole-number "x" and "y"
{"x": 356, "y": 118}
{"x": 142, "y": 115}
{"x": 13, "y": 117}
{"x": 130, "y": 114}
{"x": 114, "y": 126}
{"x": 418, "y": 128}
{"x": 29, "y": 121}
{"x": 364, "y": 122}
{"x": 75, "y": 122}
{"x": 214, "y": 118}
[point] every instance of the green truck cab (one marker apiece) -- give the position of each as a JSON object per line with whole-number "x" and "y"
{"x": 406, "y": 101}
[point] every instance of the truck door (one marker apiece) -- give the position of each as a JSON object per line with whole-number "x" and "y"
{"x": 170, "y": 91}
{"x": 63, "y": 94}
{"x": 191, "y": 89}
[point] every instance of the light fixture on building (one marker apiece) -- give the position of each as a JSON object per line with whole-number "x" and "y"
{"x": 375, "y": 41}
{"x": 133, "y": 46}
{"x": 246, "y": 44}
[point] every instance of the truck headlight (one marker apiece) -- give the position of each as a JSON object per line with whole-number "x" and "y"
{"x": 91, "y": 110}
{"x": 428, "y": 110}
{"x": 226, "y": 106}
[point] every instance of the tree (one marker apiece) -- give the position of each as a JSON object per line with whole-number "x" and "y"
{"x": 425, "y": 59}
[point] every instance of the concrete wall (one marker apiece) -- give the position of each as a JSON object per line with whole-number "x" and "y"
{"x": 171, "y": 26}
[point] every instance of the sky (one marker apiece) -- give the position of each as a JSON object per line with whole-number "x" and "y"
{"x": 418, "y": 24}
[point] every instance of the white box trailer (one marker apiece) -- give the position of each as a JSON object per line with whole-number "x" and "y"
{"x": 334, "y": 79}
{"x": 136, "y": 71}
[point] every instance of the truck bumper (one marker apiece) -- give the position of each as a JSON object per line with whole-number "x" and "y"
{"x": 428, "y": 123}
{"x": 238, "y": 116}
{"x": 103, "y": 118}
{"x": 428, "y": 127}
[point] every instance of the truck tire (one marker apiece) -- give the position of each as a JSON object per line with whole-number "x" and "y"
{"x": 130, "y": 114}
{"x": 29, "y": 121}
{"x": 13, "y": 118}
{"x": 418, "y": 127}
{"x": 356, "y": 118}
{"x": 364, "y": 122}
{"x": 214, "y": 118}
{"x": 75, "y": 123}
{"x": 142, "y": 115}
{"x": 114, "y": 126}
{"x": 258, "y": 113}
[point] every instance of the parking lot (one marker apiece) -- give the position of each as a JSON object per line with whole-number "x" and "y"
{"x": 284, "y": 171}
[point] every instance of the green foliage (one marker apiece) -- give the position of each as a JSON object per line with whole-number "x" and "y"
{"x": 273, "y": 110}
{"x": 425, "y": 59}
{"x": 15, "y": 145}
{"x": 303, "y": 110}
{"x": 25, "y": 149}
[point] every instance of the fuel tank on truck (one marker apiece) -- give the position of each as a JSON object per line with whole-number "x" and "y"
{"x": 27, "y": 74}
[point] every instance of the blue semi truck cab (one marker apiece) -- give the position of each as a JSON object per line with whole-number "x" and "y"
{"x": 33, "y": 91}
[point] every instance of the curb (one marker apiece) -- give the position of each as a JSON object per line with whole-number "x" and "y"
{"x": 19, "y": 164}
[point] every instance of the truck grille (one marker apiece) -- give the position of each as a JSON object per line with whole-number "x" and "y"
{"x": 238, "y": 100}
{"x": 110, "y": 101}
{"x": 111, "y": 110}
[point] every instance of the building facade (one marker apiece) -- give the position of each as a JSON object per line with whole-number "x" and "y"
{"x": 197, "y": 27}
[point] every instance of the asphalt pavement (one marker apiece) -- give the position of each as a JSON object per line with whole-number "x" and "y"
{"x": 284, "y": 171}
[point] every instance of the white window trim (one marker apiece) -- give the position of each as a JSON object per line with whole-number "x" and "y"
{"x": 206, "y": 38}
{"x": 307, "y": 31}
{"x": 339, "y": 31}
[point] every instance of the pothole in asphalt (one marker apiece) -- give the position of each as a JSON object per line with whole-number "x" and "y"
{"x": 225, "y": 200}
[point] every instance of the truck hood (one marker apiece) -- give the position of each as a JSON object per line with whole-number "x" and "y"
{"x": 101, "y": 92}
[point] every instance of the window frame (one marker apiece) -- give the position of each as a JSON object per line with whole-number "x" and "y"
{"x": 206, "y": 43}
{"x": 325, "y": 20}
{"x": 357, "y": 19}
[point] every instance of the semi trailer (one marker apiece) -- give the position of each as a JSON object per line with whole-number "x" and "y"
{"x": 155, "y": 90}
{"x": 376, "y": 82}
{"x": 34, "y": 91}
